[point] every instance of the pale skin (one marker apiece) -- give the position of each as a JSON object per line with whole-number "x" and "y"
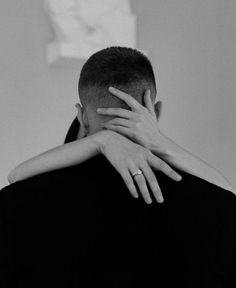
{"x": 141, "y": 125}
{"x": 152, "y": 150}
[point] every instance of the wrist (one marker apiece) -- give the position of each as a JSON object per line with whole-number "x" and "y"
{"x": 162, "y": 146}
{"x": 101, "y": 139}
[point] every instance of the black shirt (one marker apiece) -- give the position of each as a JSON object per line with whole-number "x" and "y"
{"x": 80, "y": 227}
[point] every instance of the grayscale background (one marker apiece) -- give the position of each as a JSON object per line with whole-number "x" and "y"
{"x": 192, "y": 45}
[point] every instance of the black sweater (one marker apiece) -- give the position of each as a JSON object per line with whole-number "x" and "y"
{"x": 80, "y": 227}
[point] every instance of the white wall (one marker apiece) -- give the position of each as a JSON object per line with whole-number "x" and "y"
{"x": 191, "y": 45}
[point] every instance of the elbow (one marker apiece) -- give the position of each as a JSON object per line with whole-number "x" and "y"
{"x": 11, "y": 177}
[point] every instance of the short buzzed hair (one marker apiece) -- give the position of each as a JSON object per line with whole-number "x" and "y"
{"x": 124, "y": 68}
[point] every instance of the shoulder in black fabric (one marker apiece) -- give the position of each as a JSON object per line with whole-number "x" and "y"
{"x": 80, "y": 226}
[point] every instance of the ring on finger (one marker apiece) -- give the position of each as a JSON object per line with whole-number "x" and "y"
{"x": 136, "y": 173}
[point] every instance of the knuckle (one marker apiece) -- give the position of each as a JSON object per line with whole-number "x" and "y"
{"x": 153, "y": 183}
{"x": 143, "y": 160}
{"x": 141, "y": 157}
{"x": 162, "y": 164}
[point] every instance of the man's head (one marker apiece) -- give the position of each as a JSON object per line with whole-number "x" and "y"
{"x": 124, "y": 68}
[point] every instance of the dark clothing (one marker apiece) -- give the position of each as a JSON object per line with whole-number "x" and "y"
{"x": 80, "y": 227}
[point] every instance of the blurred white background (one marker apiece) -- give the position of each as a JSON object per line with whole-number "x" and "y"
{"x": 192, "y": 45}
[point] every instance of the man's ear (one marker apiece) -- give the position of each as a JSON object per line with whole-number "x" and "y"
{"x": 82, "y": 119}
{"x": 158, "y": 109}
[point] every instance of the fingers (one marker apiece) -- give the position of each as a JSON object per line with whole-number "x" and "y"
{"x": 119, "y": 112}
{"x": 129, "y": 100}
{"x": 153, "y": 184}
{"x": 141, "y": 180}
{"x": 142, "y": 185}
{"x": 120, "y": 122}
{"x": 129, "y": 183}
{"x": 148, "y": 102}
{"x": 160, "y": 165}
{"x": 119, "y": 129}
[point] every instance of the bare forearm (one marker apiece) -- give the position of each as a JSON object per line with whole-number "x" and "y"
{"x": 182, "y": 159}
{"x": 59, "y": 157}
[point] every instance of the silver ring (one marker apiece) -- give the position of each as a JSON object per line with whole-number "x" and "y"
{"x": 139, "y": 172}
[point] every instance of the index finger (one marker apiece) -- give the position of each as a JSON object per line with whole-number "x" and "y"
{"x": 129, "y": 100}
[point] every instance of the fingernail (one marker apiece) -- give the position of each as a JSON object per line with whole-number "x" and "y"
{"x": 99, "y": 110}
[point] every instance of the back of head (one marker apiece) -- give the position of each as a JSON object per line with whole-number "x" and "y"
{"x": 124, "y": 68}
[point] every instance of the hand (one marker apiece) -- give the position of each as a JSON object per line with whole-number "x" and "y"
{"x": 140, "y": 124}
{"x": 128, "y": 157}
